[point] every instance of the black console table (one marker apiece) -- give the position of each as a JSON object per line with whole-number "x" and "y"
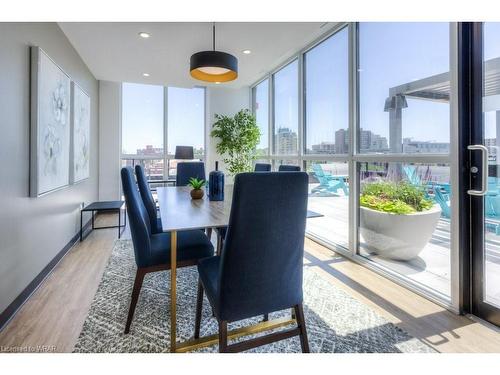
{"x": 106, "y": 206}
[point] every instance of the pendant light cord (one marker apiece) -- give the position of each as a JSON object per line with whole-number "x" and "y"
{"x": 213, "y": 28}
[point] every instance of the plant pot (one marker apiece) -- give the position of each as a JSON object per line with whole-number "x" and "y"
{"x": 197, "y": 193}
{"x": 399, "y": 237}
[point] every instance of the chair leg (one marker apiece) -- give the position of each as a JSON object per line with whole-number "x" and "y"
{"x": 301, "y": 323}
{"x": 222, "y": 336}
{"x": 139, "y": 277}
{"x": 199, "y": 308}
{"x": 219, "y": 244}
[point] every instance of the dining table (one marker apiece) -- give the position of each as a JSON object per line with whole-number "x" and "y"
{"x": 179, "y": 212}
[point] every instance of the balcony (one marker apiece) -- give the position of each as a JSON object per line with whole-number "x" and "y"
{"x": 430, "y": 269}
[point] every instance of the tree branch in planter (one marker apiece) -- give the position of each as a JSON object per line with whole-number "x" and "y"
{"x": 238, "y": 138}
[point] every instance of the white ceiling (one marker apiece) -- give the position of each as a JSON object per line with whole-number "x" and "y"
{"x": 115, "y": 52}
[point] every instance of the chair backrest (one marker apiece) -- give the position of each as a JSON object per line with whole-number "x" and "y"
{"x": 442, "y": 200}
{"x": 261, "y": 263}
{"x": 320, "y": 175}
{"x": 189, "y": 169}
{"x": 288, "y": 168}
{"x": 139, "y": 224}
{"x": 147, "y": 197}
{"x": 318, "y": 171}
{"x": 412, "y": 175}
{"x": 262, "y": 167}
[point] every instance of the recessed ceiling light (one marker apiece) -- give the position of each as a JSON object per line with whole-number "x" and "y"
{"x": 145, "y": 74}
{"x": 217, "y": 83}
{"x": 144, "y": 34}
{"x": 246, "y": 51}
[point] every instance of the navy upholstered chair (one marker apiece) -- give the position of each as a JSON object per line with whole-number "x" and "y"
{"x": 288, "y": 168}
{"x": 152, "y": 251}
{"x": 147, "y": 199}
{"x": 188, "y": 169}
{"x": 262, "y": 167}
{"x": 260, "y": 268}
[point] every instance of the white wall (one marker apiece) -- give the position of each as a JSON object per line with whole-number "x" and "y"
{"x": 34, "y": 230}
{"x": 109, "y": 139}
{"x": 223, "y": 101}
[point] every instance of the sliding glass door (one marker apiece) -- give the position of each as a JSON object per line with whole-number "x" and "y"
{"x": 485, "y": 177}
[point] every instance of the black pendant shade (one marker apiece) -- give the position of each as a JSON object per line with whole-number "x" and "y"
{"x": 214, "y": 66}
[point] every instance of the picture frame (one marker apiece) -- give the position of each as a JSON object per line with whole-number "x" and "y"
{"x": 80, "y": 134}
{"x": 50, "y": 125}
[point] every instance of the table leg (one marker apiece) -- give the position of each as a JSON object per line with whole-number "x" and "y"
{"x": 81, "y": 226}
{"x": 92, "y": 212}
{"x": 119, "y": 223}
{"x": 173, "y": 290}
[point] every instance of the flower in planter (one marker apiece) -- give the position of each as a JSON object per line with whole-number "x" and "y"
{"x": 399, "y": 198}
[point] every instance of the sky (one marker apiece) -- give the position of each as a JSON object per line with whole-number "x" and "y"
{"x": 142, "y": 117}
{"x": 390, "y": 54}
{"x": 491, "y": 49}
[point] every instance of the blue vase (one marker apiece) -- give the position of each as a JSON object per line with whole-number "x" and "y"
{"x": 216, "y": 184}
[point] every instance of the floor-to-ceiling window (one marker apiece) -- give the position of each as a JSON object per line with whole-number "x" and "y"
{"x": 260, "y": 104}
{"x": 367, "y": 111}
{"x": 487, "y": 270}
{"x": 185, "y": 122}
{"x": 404, "y": 109}
{"x": 142, "y": 128}
{"x": 326, "y": 137}
{"x": 154, "y": 117}
{"x": 286, "y": 110}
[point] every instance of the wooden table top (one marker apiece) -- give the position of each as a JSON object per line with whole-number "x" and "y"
{"x": 179, "y": 212}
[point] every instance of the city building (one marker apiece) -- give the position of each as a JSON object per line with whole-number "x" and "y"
{"x": 491, "y": 144}
{"x": 428, "y": 147}
{"x": 324, "y": 148}
{"x": 342, "y": 141}
{"x": 369, "y": 141}
{"x": 286, "y": 141}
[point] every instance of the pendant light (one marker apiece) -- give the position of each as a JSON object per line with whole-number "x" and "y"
{"x": 214, "y": 66}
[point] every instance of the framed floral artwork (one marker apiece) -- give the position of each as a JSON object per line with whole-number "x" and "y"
{"x": 80, "y": 135}
{"x": 50, "y": 125}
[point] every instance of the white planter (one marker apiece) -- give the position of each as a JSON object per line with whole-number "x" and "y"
{"x": 400, "y": 237}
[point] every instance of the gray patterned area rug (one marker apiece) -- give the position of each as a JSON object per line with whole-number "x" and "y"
{"x": 336, "y": 322}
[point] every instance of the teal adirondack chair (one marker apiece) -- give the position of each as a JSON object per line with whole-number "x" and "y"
{"x": 443, "y": 200}
{"x": 411, "y": 174}
{"x": 327, "y": 182}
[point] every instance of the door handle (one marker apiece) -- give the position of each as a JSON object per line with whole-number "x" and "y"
{"x": 484, "y": 167}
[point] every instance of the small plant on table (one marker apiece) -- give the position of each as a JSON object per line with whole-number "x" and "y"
{"x": 197, "y": 185}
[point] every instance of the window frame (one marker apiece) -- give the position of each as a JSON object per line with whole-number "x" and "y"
{"x": 354, "y": 157}
{"x": 167, "y": 154}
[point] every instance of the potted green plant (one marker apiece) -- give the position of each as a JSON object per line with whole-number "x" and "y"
{"x": 397, "y": 220}
{"x": 238, "y": 138}
{"x": 197, "y": 185}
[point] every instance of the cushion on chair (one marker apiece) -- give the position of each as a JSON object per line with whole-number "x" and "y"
{"x": 159, "y": 227}
{"x": 262, "y": 167}
{"x": 147, "y": 199}
{"x": 191, "y": 245}
{"x": 260, "y": 268}
{"x": 288, "y": 168}
{"x": 208, "y": 269}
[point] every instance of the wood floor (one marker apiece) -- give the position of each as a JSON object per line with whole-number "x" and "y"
{"x": 52, "y": 318}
